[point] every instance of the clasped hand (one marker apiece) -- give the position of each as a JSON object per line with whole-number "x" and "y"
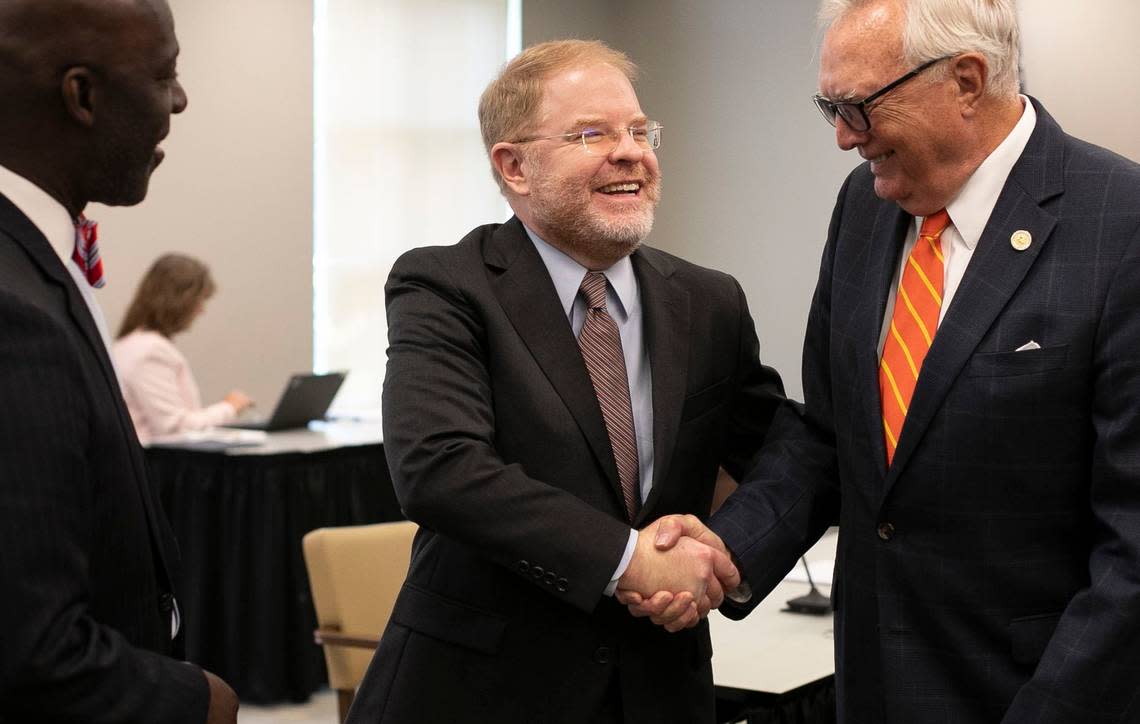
{"x": 680, "y": 570}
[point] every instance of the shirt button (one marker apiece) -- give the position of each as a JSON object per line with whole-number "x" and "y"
{"x": 886, "y": 531}
{"x": 602, "y": 655}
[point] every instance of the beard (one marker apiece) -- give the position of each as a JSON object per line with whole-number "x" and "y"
{"x": 561, "y": 207}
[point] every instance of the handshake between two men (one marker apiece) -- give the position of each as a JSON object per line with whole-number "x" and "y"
{"x": 680, "y": 570}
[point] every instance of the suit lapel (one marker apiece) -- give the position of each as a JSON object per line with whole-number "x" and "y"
{"x": 522, "y": 284}
{"x": 40, "y": 251}
{"x": 884, "y": 246}
{"x": 993, "y": 276}
{"x": 665, "y": 314}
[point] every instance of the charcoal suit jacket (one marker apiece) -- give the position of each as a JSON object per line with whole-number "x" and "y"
{"x": 86, "y": 555}
{"x": 992, "y": 572}
{"x": 498, "y": 450}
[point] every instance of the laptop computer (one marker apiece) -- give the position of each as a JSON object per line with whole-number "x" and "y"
{"x": 306, "y": 397}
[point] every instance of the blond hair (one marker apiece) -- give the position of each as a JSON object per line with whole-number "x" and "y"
{"x": 510, "y": 104}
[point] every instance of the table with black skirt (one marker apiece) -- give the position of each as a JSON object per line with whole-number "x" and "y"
{"x": 777, "y": 667}
{"x": 239, "y": 514}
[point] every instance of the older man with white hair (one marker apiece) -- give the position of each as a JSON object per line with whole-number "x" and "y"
{"x": 972, "y": 385}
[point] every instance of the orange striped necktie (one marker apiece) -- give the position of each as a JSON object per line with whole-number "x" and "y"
{"x": 913, "y": 325}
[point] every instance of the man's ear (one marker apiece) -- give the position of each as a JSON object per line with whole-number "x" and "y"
{"x": 971, "y": 73}
{"x": 507, "y": 158}
{"x": 78, "y": 91}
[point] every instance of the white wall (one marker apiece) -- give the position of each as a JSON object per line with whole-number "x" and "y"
{"x": 236, "y": 191}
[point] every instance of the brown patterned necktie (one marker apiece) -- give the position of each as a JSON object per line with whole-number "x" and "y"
{"x": 600, "y": 343}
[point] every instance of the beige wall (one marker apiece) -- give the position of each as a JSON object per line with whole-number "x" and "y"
{"x": 751, "y": 172}
{"x": 750, "y": 169}
{"x": 1081, "y": 59}
{"x": 236, "y": 191}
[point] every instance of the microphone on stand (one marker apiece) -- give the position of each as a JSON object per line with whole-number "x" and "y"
{"x": 812, "y": 602}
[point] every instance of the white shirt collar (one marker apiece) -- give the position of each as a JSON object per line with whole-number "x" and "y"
{"x": 49, "y": 216}
{"x": 567, "y": 276}
{"x": 970, "y": 210}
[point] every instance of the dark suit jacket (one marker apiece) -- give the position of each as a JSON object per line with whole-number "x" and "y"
{"x": 498, "y": 450}
{"x": 993, "y": 572}
{"x": 85, "y": 552}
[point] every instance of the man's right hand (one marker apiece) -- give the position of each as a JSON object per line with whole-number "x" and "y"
{"x": 672, "y": 608}
{"x": 223, "y": 701}
{"x": 684, "y": 579}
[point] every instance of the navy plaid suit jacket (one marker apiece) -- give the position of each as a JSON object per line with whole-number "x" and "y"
{"x": 993, "y": 573}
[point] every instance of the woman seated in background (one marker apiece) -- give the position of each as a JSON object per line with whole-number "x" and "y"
{"x": 160, "y": 391}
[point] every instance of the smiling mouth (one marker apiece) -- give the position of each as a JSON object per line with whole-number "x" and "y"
{"x": 625, "y": 188}
{"x": 880, "y": 158}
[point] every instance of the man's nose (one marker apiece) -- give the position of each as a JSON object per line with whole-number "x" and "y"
{"x": 178, "y": 98}
{"x": 846, "y": 137}
{"x": 627, "y": 149}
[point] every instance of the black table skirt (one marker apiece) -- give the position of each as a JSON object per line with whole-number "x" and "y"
{"x": 810, "y": 704}
{"x": 244, "y": 594}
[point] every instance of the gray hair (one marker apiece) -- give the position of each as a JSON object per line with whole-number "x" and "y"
{"x": 938, "y": 28}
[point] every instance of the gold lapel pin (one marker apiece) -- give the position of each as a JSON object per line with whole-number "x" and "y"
{"x": 1020, "y": 240}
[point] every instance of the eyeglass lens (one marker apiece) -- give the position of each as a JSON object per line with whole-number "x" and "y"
{"x": 601, "y": 143}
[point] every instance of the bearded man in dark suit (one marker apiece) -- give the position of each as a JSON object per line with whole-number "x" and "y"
{"x": 530, "y": 446}
{"x": 86, "y": 556}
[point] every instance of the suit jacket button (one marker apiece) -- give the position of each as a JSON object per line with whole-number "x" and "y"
{"x": 602, "y": 655}
{"x": 886, "y": 531}
{"x": 522, "y": 567}
{"x": 550, "y": 578}
{"x": 537, "y": 572}
{"x": 562, "y": 584}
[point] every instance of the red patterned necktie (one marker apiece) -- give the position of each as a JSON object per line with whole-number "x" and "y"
{"x": 600, "y": 343}
{"x": 913, "y": 324}
{"x": 86, "y": 254}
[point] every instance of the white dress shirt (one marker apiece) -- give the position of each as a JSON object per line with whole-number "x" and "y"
{"x": 55, "y": 223}
{"x": 623, "y": 301}
{"x": 969, "y": 213}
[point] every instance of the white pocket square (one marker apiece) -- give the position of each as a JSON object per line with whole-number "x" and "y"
{"x": 1028, "y": 346}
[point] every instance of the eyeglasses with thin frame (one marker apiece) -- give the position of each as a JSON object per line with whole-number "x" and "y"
{"x": 602, "y": 142}
{"x": 856, "y": 113}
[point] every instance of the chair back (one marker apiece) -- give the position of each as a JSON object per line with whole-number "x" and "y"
{"x": 355, "y": 573}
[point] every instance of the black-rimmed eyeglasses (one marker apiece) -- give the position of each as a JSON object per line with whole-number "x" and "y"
{"x": 854, "y": 113}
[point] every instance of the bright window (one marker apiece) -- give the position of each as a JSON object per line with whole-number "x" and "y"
{"x": 398, "y": 161}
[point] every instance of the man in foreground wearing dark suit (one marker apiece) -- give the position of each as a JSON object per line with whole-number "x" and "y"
{"x": 987, "y": 489}
{"x": 531, "y": 428}
{"x": 86, "y": 557}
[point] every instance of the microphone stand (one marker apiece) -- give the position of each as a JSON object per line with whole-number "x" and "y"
{"x": 813, "y": 602}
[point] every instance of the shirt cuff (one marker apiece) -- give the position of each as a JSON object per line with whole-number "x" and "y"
{"x": 740, "y": 594}
{"x": 623, "y": 563}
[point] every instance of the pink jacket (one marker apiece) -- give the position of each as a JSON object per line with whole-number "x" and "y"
{"x": 159, "y": 388}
